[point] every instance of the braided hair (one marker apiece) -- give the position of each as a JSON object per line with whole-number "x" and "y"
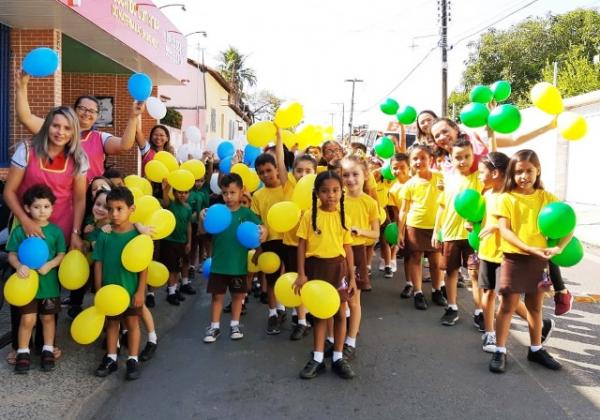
{"x": 320, "y": 179}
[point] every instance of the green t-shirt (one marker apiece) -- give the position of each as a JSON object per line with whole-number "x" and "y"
{"x": 54, "y": 238}
{"x": 228, "y": 255}
{"x": 183, "y": 216}
{"x": 198, "y": 200}
{"x": 109, "y": 247}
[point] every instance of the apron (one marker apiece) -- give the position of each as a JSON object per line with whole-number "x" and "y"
{"x": 91, "y": 143}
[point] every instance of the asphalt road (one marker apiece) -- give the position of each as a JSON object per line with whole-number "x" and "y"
{"x": 408, "y": 366}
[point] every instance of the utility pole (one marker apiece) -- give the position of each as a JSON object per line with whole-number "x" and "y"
{"x": 343, "y": 114}
{"x": 354, "y": 82}
{"x": 443, "y": 6}
{"x": 332, "y": 114}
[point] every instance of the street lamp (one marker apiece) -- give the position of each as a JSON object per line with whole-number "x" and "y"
{"x": 343, "y": 114}
{"x": 354, "y": 82}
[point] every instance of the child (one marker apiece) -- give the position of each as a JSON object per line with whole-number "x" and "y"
{"x": 115, "y": 177}
{"x": 400, "y": 169}
{"x": 177, "y": 245}
{"x": 382, "y": 189}
{"x": 38, "y": 202}
{"x": 363, "y": 212}
{"x": 108, "y": 269}
{"x": 440, "y": 157}
{"x": 229, "y": 265}
{"x": 198, "y": 200}
{"x": 415, "y": 227}
{"x": 525, "y": 256}
{"x": 456, "y": 251}
{"x": 325, "y": 253}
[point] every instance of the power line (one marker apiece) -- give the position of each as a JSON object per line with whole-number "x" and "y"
{"x": 485, "y": 21}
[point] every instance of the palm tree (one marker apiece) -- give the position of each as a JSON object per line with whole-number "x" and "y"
{"x": 234, "y": 70}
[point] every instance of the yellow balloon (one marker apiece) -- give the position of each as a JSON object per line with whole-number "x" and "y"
{"x": 302, "y": 194}
{"x": 241, "y": 169}
{"x": 571, "y": 125}
{"x": 269, "y": 262}
{"x": 158, "y": 274}
{"x": 195, "y": 166}
{"x": 289, "y": 114}
{"x": 261, "y": 133}
{"x": 112, "y": 300}
{"x": 283, "y": 216}
{"x": 163, "y": 222}
{"x": 19, "y": 291}
{"x": 137, "y": 254}
{"x": 74, "y": 270}
{"x": 252, "y": 268}
{"x": 546, "y": 97}
{"x": 284, "y": 291}
{"x": 320, "y": 298}
{"x": 288, "y": 138}
{"x": 87, "y": 326}
{"x": 181, "y": 180}
{"x": 252, "y": 182}
{"x": 329, "y": 129}
{"x": 144, "y": 207}
{"x": 156, "y": 171}
{"x": 134, "y": 181}
{"x": 318, "y": 137}
{"x": 137, "y": 193}
{"x": 167, "y": 159}
{"x": 146, "y": 187}
{"x": 306, "y": 136}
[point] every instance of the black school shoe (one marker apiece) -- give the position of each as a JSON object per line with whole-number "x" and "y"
{"x": 179, "y": 295}
{"x": 298, "y": 332}
{"x": 173, "y": 300}
{"x": 133, "y": 370}
{"x": 420, "y": 302}
{"x": 543, "y": 358}
{"x": 23, "y": 362}
{"x": 450, "y": 317}
{"x": 188, "y": 289}
{"x": 498, "y": 362}
{"x": 343, "y": 369}
{"x": 406, "y": 292}
{"x": 47, "y": 362}
{"x": 148, "y": 352}
{"x": 438, "y": 298}
{"x": 106, "y": 367}
{"x": 150, "y": 301}
{"x": 478, "y": 322}
{"x": 547, "y": 327}
{"x": 281, "y": 316}
{"x": 312, "y": 369}
{"x": 349, "y": 352}
{"x": 273, "y": 325}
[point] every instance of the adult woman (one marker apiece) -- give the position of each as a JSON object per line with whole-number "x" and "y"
{"x": 96, "y": 144}
{"x": 159, "y": 140}
{"x": 424, "y": 121}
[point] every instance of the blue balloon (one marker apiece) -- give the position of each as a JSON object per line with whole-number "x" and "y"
{"x": 41, "y": 62}
{"x": 206, "y": 267}
{"x": 217, "y": 219}
{"x": 225, "y": 165}
{"x": 225, "y": 149}
{"x": 250, "y": 154}
{"x": 139, "y": 86}
{"x": 33, "y": 252}
{"x": 248, "y": 234}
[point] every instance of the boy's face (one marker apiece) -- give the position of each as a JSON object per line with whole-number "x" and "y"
{"x": 117, "y": 182}
{"x": 232, "y": 195}
{"x": 462, "y": 159}
{"x": 40, "y": 210}
{"x": 268, "y": 175}
{"x": 119, "y": 212}
{"x": 439, "y": 161}
{"x": 181, "y": 196}
{"x": 400, "y": 169}
{"x": 419, "y": 160}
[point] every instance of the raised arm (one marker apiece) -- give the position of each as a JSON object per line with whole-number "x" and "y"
{"x": 116, "y": 145}
{"x": 31, "y": 122}
{"x": 509, "y": 141}
{"x": 280, "y": 158}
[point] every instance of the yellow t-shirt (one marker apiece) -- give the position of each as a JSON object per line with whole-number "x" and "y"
{"x": 489, "y": 246}
{"x": 422, "y": 196}
{"x": 291, "y": 179}
{"x": 264, "y": 198}
{"x": 382, "y": 189}
{"x": 330, "y": 242}
{"x": 522, "y": 211}
{"x": 453, "y": 226}
{"x": 394, "y": 193}
{"x": 362, "y": 210}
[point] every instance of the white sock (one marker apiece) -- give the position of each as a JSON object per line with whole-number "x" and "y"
{"x": 302, "y": 322}
{"x": 409, "y": 283}
{"x": 330, "y": 339}
{"x": 172, "y": 290}
{"x": 417, "y": 292}
{"x": 478, "y": 311}
{"x": 152, "y": 337}
{"x": 272, "y": 312}
{"x": 294, "y": 311}
{"x": 535, "y": 348}
{"x": 280, "y": 307}
{"x": 233, "y": 323}
{"x": 337, "y": 355}
{"x": 215, "y": 325}
{"x": 22, "y": 351}
{"x": 185, "y": 280}
{"x": 501, "y": 350}
{"x": 347, "y": 312}
{"x": 133, "y": 357}
{"x": 351, "y": 341}
{"x": 150, "y": 294}
{"x": 318, "y": 356}
{"x": 112, "y": 356}
{"x": 48, "y": 348}
{"x": 125, "y": 331}
{"x": 453, "y": 306}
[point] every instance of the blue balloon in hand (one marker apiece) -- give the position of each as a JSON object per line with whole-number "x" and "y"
{"x": 41, "y": 62}
{"x": 33, "y": 252}
{"x": 139, "y": 86}
{"x": 225, "y": 149}
{"x": 206, "y": 267}
{"x": 250, "y": 154}
{"x": 225, "y": 165}
{"x": 217, "y": 219}
{"x": 248, "y": 234}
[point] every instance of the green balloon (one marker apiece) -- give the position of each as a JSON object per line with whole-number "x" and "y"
{"x": 470, "y": 205}
{"x": 390, "y": 233}
{"x": 477, "y": 228}
{"x": 473, "y": 239}
{"x": 571, "y": 255}
{"x": 407, "y": 115}
{"x": 481, "y": 94}
{"x": 474, "y": 115}
{"x": 501, "y": 90}
{"x": 384, "y": 147}
{"x": 557, "y": 220}
{"x": 386, "y": 173}
{"x": 505, "y": 119}
{"x": 389, "y": 107}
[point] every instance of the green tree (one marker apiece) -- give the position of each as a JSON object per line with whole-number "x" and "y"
{"x": 576, "y": 73}
{"x": 233, "y": 68}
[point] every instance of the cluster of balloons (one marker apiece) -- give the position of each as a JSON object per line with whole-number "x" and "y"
{"x": 504, "y": 118}
{"x": 268, "y": 262}
{"x": 320, "y": 298}
{"x": 218, "y": 218}
{"x": 546, "y": 97}
{"x": 470, "y": 205}
{"x": 404, "y": 114}
{"x": 40, "y": 62}
{"x": 556, "y": 221}
{"x": 182, "y": 178}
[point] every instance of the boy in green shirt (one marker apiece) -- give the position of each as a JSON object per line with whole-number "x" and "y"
{"x": 108, "y": 269}
{"x": 38, "y": 201}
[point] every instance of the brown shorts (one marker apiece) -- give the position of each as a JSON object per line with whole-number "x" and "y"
{"x": 275, "y": 246}
{"x": 290, "y": 259}
{"x": 48, "y": 306}
{"x": 458, "y": 254}
{"x": 131, "y": 311}
{"x": 172, "y": 255}
{"x": 360, "y": 262}
{"x": 331, "y": 270}
{"x": 520, "y": 273}
{"x": 219, "y": 283}
{"x": 418, "y": 240}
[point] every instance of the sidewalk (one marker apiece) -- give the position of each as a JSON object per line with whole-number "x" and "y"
{"x": 588, "y": 224}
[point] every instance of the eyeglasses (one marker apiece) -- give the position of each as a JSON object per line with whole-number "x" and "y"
{"x": 85, "y": 110}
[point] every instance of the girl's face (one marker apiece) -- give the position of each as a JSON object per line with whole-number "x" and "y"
{"x": 332, "y": 151}
{"x": 486, "y": 176}
{"x": 330, "y": 193}
{"x": 100, "y": 211}
{"x": 87, "y": 113}
{"x": 462, "y": 159}
{"x": 525, "y": 176}
{"x": 302, "y": 168}
{"x": 99, "y": 184}
{"x": 443, "y": 135}
{"x": 420, "y": 161}
{"x": 424, "y": 122}
{"x": 159, "y": 138}
{"x": 246, "y": 200}
{"x": 353, "y": 176}
{"x": 60, "y": 131}
{"x": 400, "y": 169}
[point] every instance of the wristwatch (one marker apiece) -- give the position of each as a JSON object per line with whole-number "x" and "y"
{"x": 76, "y": 231}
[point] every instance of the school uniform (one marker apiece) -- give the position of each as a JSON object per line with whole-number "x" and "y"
{"x": 490, "y": 254}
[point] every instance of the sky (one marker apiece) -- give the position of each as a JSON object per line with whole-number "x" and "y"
{"x": 304, "y": 50}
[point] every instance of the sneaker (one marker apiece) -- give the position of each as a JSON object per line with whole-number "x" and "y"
{"x": 312, "y": 369}
{"x": 343, "y": 369}
{"x": 148, "y": 352}
{"x": 498, "y": 362}
{"x": 173, "y": 300}
{"x": 73, "y": 311}
{"x": 450, "y": 317}
{"x": 444, "y": 292}
{"x": 227, "y": 308}
{"x": 420, "y": 302}
{"x": 179, "y": 295}
{"x": 543, "y": 358}
{"x": 22, "y": 363}
{"x": 188, "y": 289}
{"x": 547, "y": 327}
{"x": 298, "y": 332}
{"x": 264, "y": 298}
{"x": 235, "y": 333}
{"x": 387, "y": 272}
{"x": 438, "y": 298}
{"x": 488, "y": 342}
{"x": 273, "y": 325}
{"x": 407, "y": 292}
{"x": 106, "y": 367}
{"x": 133, "y": 370}
{"x": 47, "y": 361}
{"x": 349, "y": 352}
{"x": 281, "y": 316}
{"x": 562, "y": 303}
{"x": 478, "y": 322}
{"x": 150, "y": 301}
{"x": 394, "y": 266}
{"x": 211, "y": 335}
